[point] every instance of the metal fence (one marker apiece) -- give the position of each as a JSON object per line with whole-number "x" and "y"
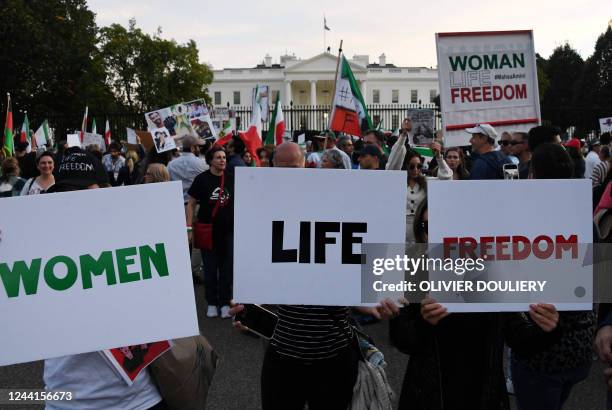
{"x": 297, "y": 118}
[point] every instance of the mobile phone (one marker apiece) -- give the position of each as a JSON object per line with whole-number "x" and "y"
{"x": 258, "y": 319}
{"x": 511, "y": 171}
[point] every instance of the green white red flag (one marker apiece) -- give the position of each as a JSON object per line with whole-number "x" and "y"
{"x": 24, "y": 136}
{"x": 42, "y": 136}
{"x": 8, "y": 146}
{"x": 94, "y": 127}
{"x": 84, "y": 125}
{"x": 276, "y": 128}
{"x": 349, "y": 112}
{"x": 107, "y": 134}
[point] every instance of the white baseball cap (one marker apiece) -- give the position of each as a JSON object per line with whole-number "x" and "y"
{"x": 485, "y": 129}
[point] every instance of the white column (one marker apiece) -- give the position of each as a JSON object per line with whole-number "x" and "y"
{"x": 287, "y": 92}
{"x": 313, "y": 92}
{"x": 364, "y": 91}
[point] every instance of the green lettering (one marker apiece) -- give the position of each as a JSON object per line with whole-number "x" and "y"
{"x": 157, "y": 256}
{"x": 457, "y": 61}
{"x": 123, "y": 261}
{"x": 478, "y": 61}
{"x": 518, "y": 59}
{"x": 505, "y": 61}
{"x": 90, "y": 266}
{"x": 61, "y": 283}
{"x": 490, "y": 62}
{"x": 20, "y": 272}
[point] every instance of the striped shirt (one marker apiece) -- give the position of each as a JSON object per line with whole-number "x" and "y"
{"x": 311, "y": 332}
{"x": 600, "y": 172}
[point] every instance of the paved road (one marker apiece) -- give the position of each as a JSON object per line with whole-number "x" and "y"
{"x": 236, "y": 384}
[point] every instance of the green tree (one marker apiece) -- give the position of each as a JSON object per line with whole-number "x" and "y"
{"x": 49, "y": 59}
{"x": 147, "y": 72}
{"x": 563, "y": 69}
{"x": 594, "y": 90}
{"x": 543, "y": 81}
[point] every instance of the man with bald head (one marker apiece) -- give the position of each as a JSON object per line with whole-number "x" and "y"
{"x": 289, "y": 155}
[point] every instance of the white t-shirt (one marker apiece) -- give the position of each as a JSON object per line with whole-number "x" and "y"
{"x": 591, "y": 161}
{"x": 96, "y": 385}
{"x": 32, "y": 187}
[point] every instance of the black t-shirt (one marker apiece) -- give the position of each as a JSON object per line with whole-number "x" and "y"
{"x": 205, "y": 189}
{"x": 27, "y": 165}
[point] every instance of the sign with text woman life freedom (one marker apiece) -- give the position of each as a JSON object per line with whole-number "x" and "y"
{"x": 487, "y": 77}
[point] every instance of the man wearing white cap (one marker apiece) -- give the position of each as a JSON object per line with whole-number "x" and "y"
{"x": 489, "y": 164}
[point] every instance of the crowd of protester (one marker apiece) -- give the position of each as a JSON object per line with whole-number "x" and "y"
{"x": 456, "y": 360}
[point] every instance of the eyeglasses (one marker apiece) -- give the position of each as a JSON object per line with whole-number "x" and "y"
{"x": 516, "y": 142}
{"x": 417, "y": 166}
{"x": 504, "y": 142}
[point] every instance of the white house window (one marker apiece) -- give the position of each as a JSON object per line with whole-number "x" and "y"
{"x": 217, "y": 97}
{"x": 395, "y": 96}
{"x": 376, "y": 96}
{"x": 432, "y": 95}
{"x": 394, "y": 121}
{"x": 236, "y": 97}
{"x": 413, "y": 96}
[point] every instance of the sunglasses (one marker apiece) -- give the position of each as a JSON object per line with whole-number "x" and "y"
{"x": 504, "y": 142}
{"x": 417, "y": 166}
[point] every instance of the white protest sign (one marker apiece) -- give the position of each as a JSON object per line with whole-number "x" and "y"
{"x": 543, "y": 223}
{"x": 605, "y": 124}
{"x": 81, "y": 287}
{"x": 73, "y": 140}
{"x": 162, "y": 140}
{"x": 318, "y": 215}
{"x": 94, "y": 139}
{"x": 132, "y": 138}
{"x": 487, "y": 77}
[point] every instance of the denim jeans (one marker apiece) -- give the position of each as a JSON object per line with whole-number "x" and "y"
{"x": 541, "y": 391}
{"x": 219, "y": 271}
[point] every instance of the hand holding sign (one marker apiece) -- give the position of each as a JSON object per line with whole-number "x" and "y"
{"x": 432, "y": 311}
{"x": 545, "y": 315}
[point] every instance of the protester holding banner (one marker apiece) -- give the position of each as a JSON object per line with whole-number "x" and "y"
{"x": 488, "y": 163}
{"x": 41, "y": 183}
{"x": 544, "y": 379}
{"x": 214, "y": 191}
{"x": 10, "y": 182}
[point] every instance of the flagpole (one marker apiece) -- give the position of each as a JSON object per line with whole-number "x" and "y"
{"x": 331, "y": 108}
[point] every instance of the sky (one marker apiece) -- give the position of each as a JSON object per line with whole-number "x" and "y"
{"x": 239, "y": 33}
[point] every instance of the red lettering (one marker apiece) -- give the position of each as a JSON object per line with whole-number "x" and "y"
{"x": 521, "y": 91}
{"x": 518, "y": 254}
{"x": 454, "y": 94}
{"x": 476, "y": 94}
{"x": 465, "y": 95}
{"x": 509, "y": 92}
{"x": 497, "y": 93}
{"x": 571, "y": 243}
{"x": 501, "y": 243}
{"x": 485, "y": 245}
{"x": 486, "y": 93}
{"x": 448, "y": 245}
{"x": 467, "y": 246}
{"x": 550, "y": 247}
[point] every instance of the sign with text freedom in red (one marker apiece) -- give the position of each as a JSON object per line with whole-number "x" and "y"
{"x": 487, "y": 77}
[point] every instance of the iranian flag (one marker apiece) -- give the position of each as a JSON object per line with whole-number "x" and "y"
{"x": 349, "y": 112}
{"x": 107, "y": 134}
{"x": 94, "y": 127}
{"x": 83, "y": 125}
{"x": 42, "y": 134}
{"x": 225, "y": 133}
{"x": 276, "y": 130}
{"x": 24, "y": 136}
{"x": 252, "y": 136}
{"x": 8, "y": 147}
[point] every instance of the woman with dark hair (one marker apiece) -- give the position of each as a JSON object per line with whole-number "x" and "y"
{"x": 265, "y": 155}
{"x": 551, "y": 161}
{"x": 215, "y": 194}
{"x": 10, "y": 182}
{"x": 40, "y": 184}
{"x": 456, "y": 162}
{"x": 573, "y": 149}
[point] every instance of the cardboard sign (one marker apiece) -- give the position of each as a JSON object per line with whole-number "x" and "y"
{"x": 605, "y": 124}
{"x": 162, "y": 140}
{"x": 300, "y": 243}
{"x": 422, "y": 125}
{"x": 73, "y": 140}
{"x": 82, "y": 287}
{"x": 546, "y": 237}
{"x": 94, "y": 139}
{"x": 199, "y": 118}
{"x": 487, "y": 77}
{"x": 174, "y": 118}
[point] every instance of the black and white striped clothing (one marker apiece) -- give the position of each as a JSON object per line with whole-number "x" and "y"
{"x": 600, "y": 172}
{"x": 311, "y": 332}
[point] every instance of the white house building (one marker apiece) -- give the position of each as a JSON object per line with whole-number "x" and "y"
{"x": 310, "y": 82}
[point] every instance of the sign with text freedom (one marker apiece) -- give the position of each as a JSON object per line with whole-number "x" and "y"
{"x": 523, "y": 230}
{"x": 298, "y": 232}
{"x": 76, "y": 280}
{"x": 487, "y": 77}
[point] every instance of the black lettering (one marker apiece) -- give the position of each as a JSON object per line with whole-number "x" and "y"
{"x": 304, "y": 242}
{"x": 321, "y": 239}
{"x": 278, "y": 253}
{"x": 348, "y": 229}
